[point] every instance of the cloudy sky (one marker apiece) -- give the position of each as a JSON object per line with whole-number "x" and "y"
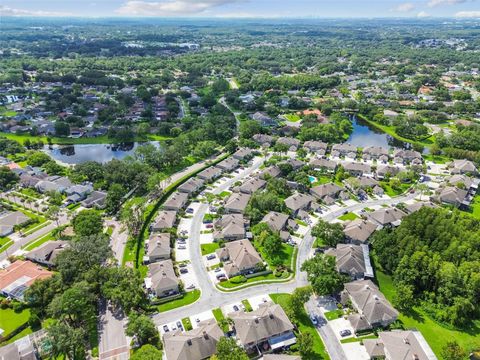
{"x": 243, "y": 8}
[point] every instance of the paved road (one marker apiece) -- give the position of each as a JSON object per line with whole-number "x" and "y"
{"x": 111, "y": 328}
{"x": 333, "y": 346}
{"x": 118, "y": 239}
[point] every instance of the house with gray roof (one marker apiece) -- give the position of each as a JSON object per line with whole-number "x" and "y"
{"x": 375, "y": 153}
{"x": 316, "y": 147}
{"x": 348, "y": 150}
{"x": 402, "y": 156}
{"x": 196, "y": 344}
{"x": 357, "y": 169}
{"x": 229, "y": 164}
{"x": 176, "y": 201}
{"x": 164, "y": 220}
{"x": 276, "y": 221}
{"x": 158, "y": 247}
{"x": 10, "y": 219}
{"x": 326, "y": 192}
{"x": 270, "y": 172}
{"x": 95, "y": 199}
{"x": 262, "y": 139}
{"x": 386, "y": 216}
{"x": 373, "y": 309}
{"x": 236, "y": 203}
{"x": 163, "y": 281}
{"x": 239, "y": 257}
{"x": 358, "y": 231}
{"x": 352, "y": 260}
{"x": 191, "y": 186}
{"x": 452, "y": 195}
{"x": 399, "y": 345}
{"x": 411, "y": 208}
{"x": 299, "y": 201}
{"x": 230, "y": 227}
{"x": 462, "y": 166}
{"x": 210, "y": 174}
{"x": 252, "y": 185}
{"x": 46, "y": 253}
{"x": 386, "y": 170}
{"x": 292, "y": 143}
{"x": 266, "y": 327}
{"x": 323, "y": 165}
{"x": 243, "y": 154}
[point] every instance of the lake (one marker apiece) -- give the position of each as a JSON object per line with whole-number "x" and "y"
{"x": 364, "y": 135}
{"x": 77, "y": 154}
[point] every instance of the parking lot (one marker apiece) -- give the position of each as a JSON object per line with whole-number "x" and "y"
{"x": 340, "y": 324}
{"x": 206, "y": 315}
{"x": 355, "y": 351}
{"x": 188, "y": 277}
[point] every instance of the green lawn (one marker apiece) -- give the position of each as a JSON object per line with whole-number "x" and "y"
{"x": 475, "y": 207}
{"x": 8, "y": 113}
{"x": 218, "y": 314}
{"x": 360, "y": 338}
{"x": 394, "y": 192}
{"x": 334, "y": 314}
{"x": 209, "y": 248}
{"x": 5, "y": 243}
{"x": 225, "y": 285}
{"x": 284, "y": 254}
{"x": 292, "y": 117}
{"x": 247, "y": 305}
{"x": 187, "y": 324}
{"x": 10, "y": 320}
{"x": 36, "y": 243}
{"x": 189, "y": 298}
{"x": 348, "y": 216}
{"x": 224, "y": 194}
{"x": 305, "y": 326}
{"x": 434, "y": 333}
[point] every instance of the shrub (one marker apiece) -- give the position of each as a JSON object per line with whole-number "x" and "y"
{"x": 238, "y": 279}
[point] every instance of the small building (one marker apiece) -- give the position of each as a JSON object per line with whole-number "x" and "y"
{"x": 276, "y": 221}
{"x": 158, "y": 247}
{"x": 10, "y": 219}
{"x": 357, "y": 169}
{"x": 270, "y": 172}
{"x": 16, "y": 278}
{"x": 230, "y": 227}
{"x": 191, "y": 186}
{"x": 229, "y": 164}
{"x": 462, "y": 166}
{"x": 353, "y": 260}
{"x": 292, "y": 143}
{"x": 376, "y": 153}
{"x": 267, "y": 328}
{"x": 263, "y": 140}
{"x": 243, "y": 154}
{"x": 386, "y": 217}
{"x": 323, "y": 165}
{"x": 163, "y": 281}
{"x": 401, "y": 156}
{"x": 453, "y": 195}
{"x": 358, "y": 231}
{"x": 196, "y": 344}
{"x": 96, "y": 199}
{"x": 46, "y": 253}
{"x": 22, "y": 349}
{"x": 210, "y": 174}
{"x": 252, "y": 185}
{"x": 316, "y": 147}
{"x": 176, "y": 201}
{"x": 299, "y": 201}
{"x": 386, "y": 171}
{"x": 399, "y": 345}
{"x": 236, "y": 203}
{"x": 164, "y": 220}
{"x": 326, "y": 192}
{"x": 239, "y": 258}
{"x": 344, "y": 149}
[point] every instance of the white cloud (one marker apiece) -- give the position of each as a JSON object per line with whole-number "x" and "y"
{"x": 170, "y": 7}
{"x": 423, "y": 14}
{"x": 434, "y": 3}
{"x": 405, "y": 7}
{"x": 468, "y": 14}
{"x": 8, "y": 11}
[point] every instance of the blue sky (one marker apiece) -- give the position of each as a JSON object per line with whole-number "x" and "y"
{"x": 244, "y": 8}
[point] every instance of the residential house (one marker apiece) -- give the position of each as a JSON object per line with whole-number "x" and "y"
{"x": 317, "y": 147}
{"x": 326, "y": 192}
{"x": 191, "y": 186}
{"x": 348, "y": 150}
{"x": 230, "y": 227}
{"x": 163, "y": 281}
{"x": 411, "y": 208}
{"x": 358, "y": 231}
{"x": 10, "y": 219}
{"x": 352, "y": 260}
{"x": 239, "y": 258}
{"x": 263, "y": 140}
{"x": 292, "y": 143}
{"x": 386, "y": 171}
{"x": 164, "y": 220}
{"x": 236, "y": 203}
{"x": 454, "y": 196}
{"x": 176, "y": 201}
{"x": 16, "y": 278}
{"x": 158, "y": 247}
{"x": 323, "y": 165}
{"x": 95, "y": 199}
{"x": 390, "y": 114}
{"x": 399, "y": 345}
{"x": 229, "y": 164}
{"x": 264, "y": 119}
{"x": 357, "y": 169}
{"x": 373, "y": 308}
{"x": 21, "y": 349}
{"x": 464, "y": 182}
{"x": 402, "y": 156}
{"x": 270, "y": 172}
{"x": 210, "y": 174}
{"x": 196, "y": 344}
{"x": 375, "y": 153}
{"x": 294, "y": 163}
{"x": 243, "y": 154}
{"x": 77, "y": 193}
{"x": 386, "y": 216}
{"x": 276, "y": 221}
{"x": 252, "y": 185}
{"x": 267, "y": 328}
{"x": 462, "y": 166}
{"x": 298, "y": 202}
{"x": 53, "y": 183}
{"x": 46, "y": 253}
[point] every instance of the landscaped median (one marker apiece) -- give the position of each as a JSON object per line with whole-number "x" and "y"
{"x": 188, "y": 298}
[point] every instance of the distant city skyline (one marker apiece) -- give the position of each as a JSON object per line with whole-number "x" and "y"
{"x": 469, "y": 9}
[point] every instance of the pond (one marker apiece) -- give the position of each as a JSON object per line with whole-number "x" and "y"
{"x": 364, "y": 135}
{"x": 77, "y": 154}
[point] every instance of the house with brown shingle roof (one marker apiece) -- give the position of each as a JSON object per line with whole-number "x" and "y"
{"x": 210, "y": 174}
{"x": 164, "y": 220}
{"x": 176, "y": 201}
{"x": 299, "y": 201}
{"x": 158, "y": 247}
{"x": 196, "y": 344}
{"x": 229, "y": 164}
{"x": 316, "y": 147}
{"x": 326, "y": 192}
{"x": 252, "y": 185}
{"x": 46, "y": 253}
{"x": 239, "y": 257}
{"x": 191, "y": 186}
{"x": 358, "y": 231}
{"x": 267, "y": 326}
{"x": 357, "y": 169}
{"x": 164, "y": 281}
{"x": 323, "y": 164}
{"x": 230, "y": 227}
{"x": 462, "y": 166}
{"x": 373, "y": 308}
{"x": 276, "y": 221}
{"x": 386, "y": 216}
{"x": 353, "y": 260}
{"x": 237, "y": 203}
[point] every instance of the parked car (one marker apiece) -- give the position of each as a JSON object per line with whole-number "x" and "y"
{"x": 165, "y": 328}
{"x": 182, "y": 247}
{"x": 182, "y": 265}
{"x": 210, "y": 257}
{"x": 191, "y": 287}
{"x": 345, "y": 332}
{"x": 209, "y": 226}
{"x": 217, "y": 270}
{"x": 183, "y": 270}
{"x": 235, "y": 308}
{"x": 189, "y": 211}
{"x": 179, "y": 325}
{"x": 314, "y": 319}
